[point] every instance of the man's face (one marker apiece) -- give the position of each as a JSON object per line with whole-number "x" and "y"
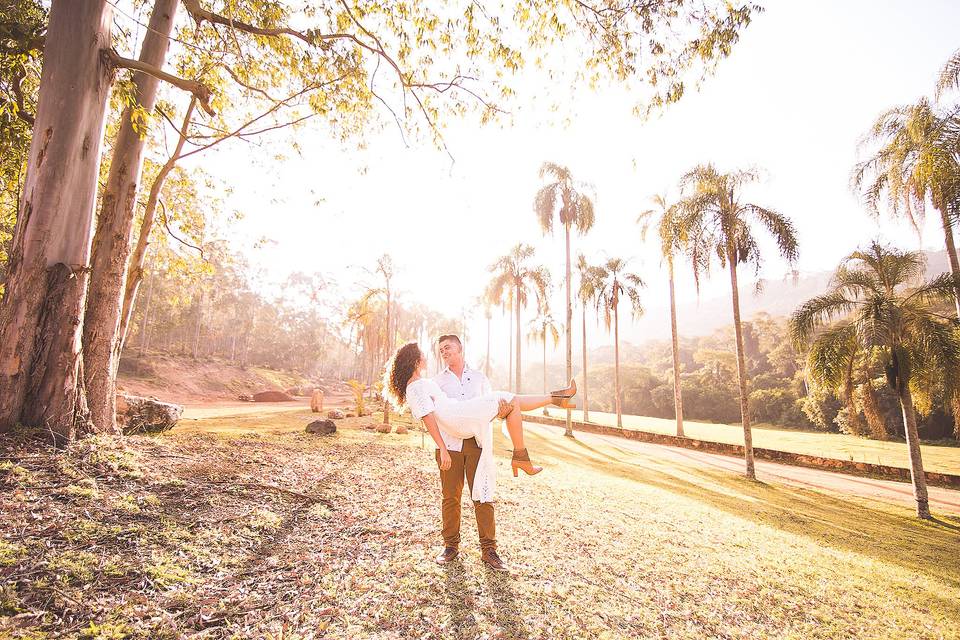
{"x": 451, "y": 353}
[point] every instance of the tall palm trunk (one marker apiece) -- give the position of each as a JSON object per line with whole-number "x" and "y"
{"x": 586, "y": 410}
{"x": 677, "y": 392}
{"x": 111, "y": 242}
{"x": 41, "y": 315}
{"x": 741, "y": 366}
{"x": 568, "y": 429}
{"x": 510, "y": 354}
{"x": 952, "y": 254}
{"x": 616, "y": 359}
{"x": 517, "y": 308}
{"x": 913, "y": 445}
{"x": 486, "y": 364}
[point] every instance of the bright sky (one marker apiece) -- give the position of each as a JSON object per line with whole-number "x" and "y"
{"x": 804, "y": 83}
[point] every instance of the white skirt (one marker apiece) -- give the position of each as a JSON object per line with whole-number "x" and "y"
{"x": 472, "y": 419}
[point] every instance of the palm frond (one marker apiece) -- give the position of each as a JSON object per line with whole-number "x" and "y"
{"x": 816, "y": 312}
{"x": 949, "y": 77}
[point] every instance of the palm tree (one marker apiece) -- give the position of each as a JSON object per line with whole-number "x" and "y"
{"x": 950, "y": 74}
{"x": 541, "y": 328}
{"x": 591, "y": 278}
{"x": 662, "y": 217}
{"x": 878, "y": 313}
{"x": 513, "y": 273}
{"x": 915, "y": 159}
{"x": 615, "y": 284}
{"x": 712, "y": 221}
{"x": 565, "y": 197}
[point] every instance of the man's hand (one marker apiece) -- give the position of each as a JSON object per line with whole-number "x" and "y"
{"x": 505, "y": 409}
{"x": 445, "y": 461}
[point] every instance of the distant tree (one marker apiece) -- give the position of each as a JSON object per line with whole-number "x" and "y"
{"x": 591, "y": 279}
{"x": 662, "y": 218}
{"x": 513, "y": 273}
{"x": 617, "y": 283}
{"x": 871, "y": 306}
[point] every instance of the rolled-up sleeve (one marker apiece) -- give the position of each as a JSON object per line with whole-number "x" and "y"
{"x": 419, "y": 401}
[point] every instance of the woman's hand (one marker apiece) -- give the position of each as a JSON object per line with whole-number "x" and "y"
{"x": 445, "y": 461}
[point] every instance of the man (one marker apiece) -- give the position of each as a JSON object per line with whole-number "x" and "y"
{"x": 461, "y": 382}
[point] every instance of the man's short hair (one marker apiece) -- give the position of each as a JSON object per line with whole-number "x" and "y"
{"x": 450, "y": 336}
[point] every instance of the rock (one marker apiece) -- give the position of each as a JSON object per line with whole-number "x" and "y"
{"x": 335, "y": 414}
{"x": 384, "y": 428}
{"x": 316, "y": 401}
{"x": 322, "y": 427}
{"x": 245, "y": 397}
{"x": 136, "y": 414}
{"x": 368, "y": 426}
{"x": 402, "y": 430}
{"x": 271, "y": 396}
{"x": 351, "y": 415}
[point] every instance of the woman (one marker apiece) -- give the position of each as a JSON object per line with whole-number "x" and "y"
{"x": 406, "y": 383}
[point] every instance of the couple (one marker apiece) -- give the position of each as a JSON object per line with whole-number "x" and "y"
{"x": 457, "y": 407}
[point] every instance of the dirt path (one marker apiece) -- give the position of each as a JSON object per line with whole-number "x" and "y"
{"x": 942, "y": 500}
{"x": 220, "y": 409}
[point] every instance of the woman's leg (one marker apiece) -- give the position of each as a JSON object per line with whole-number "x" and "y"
{"x": 515, "y": 419}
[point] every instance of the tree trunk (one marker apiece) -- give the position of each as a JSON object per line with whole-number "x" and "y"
{"x": 486, "y": 366}
{"x": 952, "y": 254}
{"x": 675, "y": 339}
{"x": 199, "y": 327}
{"x": 913, "y": 445}
{"x": 41, "y": 316}
{"x": 135, "y": 268}
{"x": 741, "y": 367}
{"x": 616, "y": 360}
{"x": 517, "y": 307}
{"x": 568, "y": 430}
{"x": 586, "y": 410}
{"x": 111, "y": 243}
{"x": 872, "y": 413}
{"x": 510, "y": 354}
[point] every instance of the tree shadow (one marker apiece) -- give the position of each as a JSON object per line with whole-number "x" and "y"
{"x": 462, "y": 623}
{"x": 925, "y": 546}
{"x": 505, "y": 613}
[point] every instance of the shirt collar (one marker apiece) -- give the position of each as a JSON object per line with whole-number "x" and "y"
{"x": 466, "y": 369}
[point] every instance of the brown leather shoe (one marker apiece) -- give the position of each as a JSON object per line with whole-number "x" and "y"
{"x": 492, "y": 560}
{"x": 449, "y": 555}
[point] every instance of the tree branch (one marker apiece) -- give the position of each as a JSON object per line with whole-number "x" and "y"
{"x": 22, "y": 112}
{"x": 198, "y": 89}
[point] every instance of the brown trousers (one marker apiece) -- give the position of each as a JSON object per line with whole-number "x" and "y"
{"x": 464, "y": 464}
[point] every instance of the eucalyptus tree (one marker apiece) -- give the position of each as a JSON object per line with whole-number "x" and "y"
{"x": 564, "y": 198}
{"x": 422, "y": 81}
{"x": 871, "y": 306}
{"x": 913, "y": 158}
{"x": 616, "y": 283}
{"x": 712, "y": 221}
{"x": 663, "y": 219}
{"x": 513, "y": 273}
{"x": 590, "y": 278}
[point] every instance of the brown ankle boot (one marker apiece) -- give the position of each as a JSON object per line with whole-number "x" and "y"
{"x": 521, "y": 460}
{"x": 561, "y": 397}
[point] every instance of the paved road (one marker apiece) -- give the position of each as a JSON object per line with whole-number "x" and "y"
{"x": 942, "y": 500}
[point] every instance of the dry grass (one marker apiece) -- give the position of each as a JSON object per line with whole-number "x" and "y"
{"x": 198, "y": 535}
{"x": 941, "y": 458}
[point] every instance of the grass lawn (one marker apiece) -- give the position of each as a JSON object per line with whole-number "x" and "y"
{"x": 245, "y": 527}
{"x": 945, "y": 459}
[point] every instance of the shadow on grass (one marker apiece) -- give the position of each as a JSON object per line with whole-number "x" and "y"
{"x": 462, "y": 623}
{"x": 505, "y": 614}
{"x": 928, "y": 547}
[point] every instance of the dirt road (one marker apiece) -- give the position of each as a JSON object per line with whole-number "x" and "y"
{"x": 941, "y": 500}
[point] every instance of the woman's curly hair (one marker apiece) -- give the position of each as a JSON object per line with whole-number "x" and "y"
{"x": 400, "y": 369}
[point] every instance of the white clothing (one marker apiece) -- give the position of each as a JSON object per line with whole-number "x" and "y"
{"x": 472, "y": 384}
{"x": 462, "y": 419}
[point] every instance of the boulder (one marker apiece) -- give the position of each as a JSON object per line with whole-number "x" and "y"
{"x": 335, "y": 414}
{"x": 402, "y": 430}
{"x": 136, "y": 414}
{"x": 351, "y": 415}
{"x": 384, "y": 428}
{"x": 316, "y": 401}
{"x": 322, "y": 427}
{"x": 368, "y": 426}
{"x": 271, "y": 396}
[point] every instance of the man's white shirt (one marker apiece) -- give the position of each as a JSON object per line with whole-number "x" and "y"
{"x": 473, "y": 384}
